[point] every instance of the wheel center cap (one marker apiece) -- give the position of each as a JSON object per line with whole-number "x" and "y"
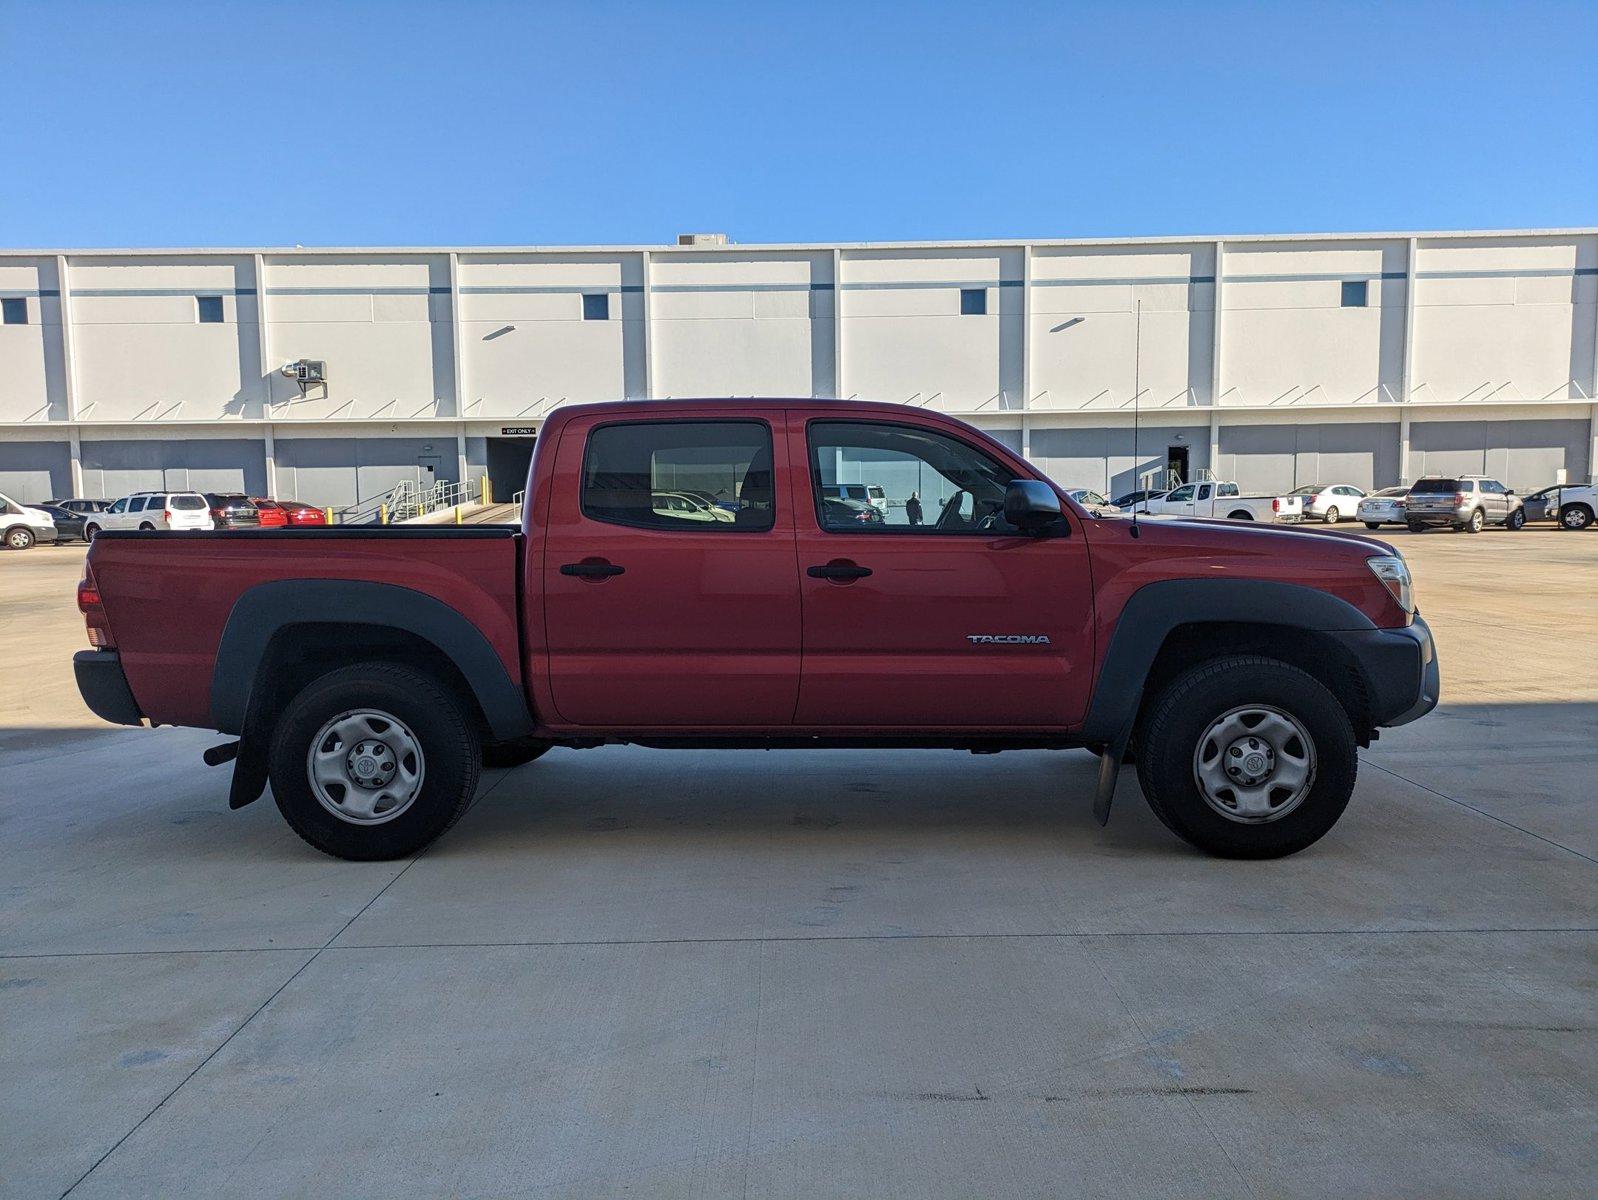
{"x": 372, "y": 764}
{"x": 1250, "y": 760}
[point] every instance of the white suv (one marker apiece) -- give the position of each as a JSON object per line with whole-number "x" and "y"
{"x": 153, "y": 510}
{"x": 21, "y": 526}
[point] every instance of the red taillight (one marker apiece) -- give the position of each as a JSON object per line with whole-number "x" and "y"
{"x": 167, "y": 516}
{"x": 1459, "y": 499}
{"x": 94, "y": 618}
{"x": 1276, "y": 504}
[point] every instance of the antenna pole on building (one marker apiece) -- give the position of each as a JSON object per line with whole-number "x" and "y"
{"x": 1137, "y": 400}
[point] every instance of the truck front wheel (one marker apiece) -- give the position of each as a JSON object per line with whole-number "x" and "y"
{"x": 1247, "y": 757}
{"x": 374, "y": 762}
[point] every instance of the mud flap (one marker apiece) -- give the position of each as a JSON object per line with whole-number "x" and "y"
{"x": 249, "y": 773}
{"x": 1110, "y": 758}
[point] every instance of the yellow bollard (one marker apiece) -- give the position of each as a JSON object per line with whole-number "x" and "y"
{"x": 382, "y": 514}
{"x": 485, "y": 490}
{"x": 329, "y": 513}
{"x": 457, "y": 514}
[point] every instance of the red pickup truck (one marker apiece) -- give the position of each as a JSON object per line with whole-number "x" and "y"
{"x": 697, "y": 574}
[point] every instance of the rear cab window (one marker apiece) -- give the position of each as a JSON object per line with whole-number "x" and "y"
{"x": 680, "y": 476}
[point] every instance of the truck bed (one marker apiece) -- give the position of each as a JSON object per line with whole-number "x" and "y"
{"x": 169, "y": 596}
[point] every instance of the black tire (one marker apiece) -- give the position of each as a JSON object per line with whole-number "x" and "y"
{"x": 1332, "y": 515}
{"x": 505, "y": 755}
{"x": 146, "y": 527}
{"x": 1516, "y": 520}
{"x": 1475, "y": 522}
{"x": 1416, "y": 526}
{"x": 451, "y": 751}
{"x": 90, "y": 532}
{"x": 1575, "y": 516}
{"x": 19, "y": 537}
{"x": 1169, "y": 736}
{"x": 1373, "y": 526}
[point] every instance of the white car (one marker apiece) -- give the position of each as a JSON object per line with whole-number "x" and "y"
{"x": 21, "y": 526}
{"x": 867, "y": 493}
{"x": 1222, "y": 498}
{"x": 153, "y": 510}
{"x": 1329, "y": 502}
{"x": 687, "y": 507}
{"x": 1385, "y": 507}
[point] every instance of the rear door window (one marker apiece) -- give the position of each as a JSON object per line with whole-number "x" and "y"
{"x": 136, "y": 504}
{"x": 649, "y": 474}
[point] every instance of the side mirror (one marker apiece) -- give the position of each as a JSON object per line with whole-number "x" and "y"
{"x": 1031, "y": 505}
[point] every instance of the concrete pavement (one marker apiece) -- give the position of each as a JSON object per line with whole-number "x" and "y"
{"x": 814, "y": 974}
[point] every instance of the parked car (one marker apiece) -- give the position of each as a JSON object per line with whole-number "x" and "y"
{"x": 1130, "y": 500}
{"x": 1574, "y": 506}
{"x": 366, "y": 673}
{"x": 152, "y": 510}
{"x": 81, "y": 506}
{"x": 1093, "y": 502}
{"x": 22, "y": 525}
{"x": 233, "y": 510}
{"x": 68, "y": 524}
{"x": 1462, "y": 502}
{"x": 1223, "y": 498}
{"x": 1385, "y": 507}
{"x": 692, "y": 508}
{"x": 1329, "y": 502}
{"x": 288, "y": 512}
{"x": 847, "y": 513}
{"x": 867, "y": 493}
{"x": 272, "y": 514}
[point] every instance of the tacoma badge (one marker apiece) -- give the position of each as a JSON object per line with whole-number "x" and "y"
{"x": 1008, "y": 639}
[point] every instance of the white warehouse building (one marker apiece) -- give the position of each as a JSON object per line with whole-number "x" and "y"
{"x": 1369, "y": 359}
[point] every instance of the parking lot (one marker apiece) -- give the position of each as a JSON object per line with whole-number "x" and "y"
{"x": 825, "y": 973}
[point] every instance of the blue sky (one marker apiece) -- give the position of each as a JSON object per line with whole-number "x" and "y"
{"x": 400, "y": 124}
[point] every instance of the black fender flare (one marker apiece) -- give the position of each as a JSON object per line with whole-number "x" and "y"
{"x": 1153, "y": 612}
{"x": 1156, "y": 609}
{"x": 266, "y": 609}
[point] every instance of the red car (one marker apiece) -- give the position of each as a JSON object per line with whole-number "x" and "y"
{"x": 370, "y": 671}
{"x": 275, "y": 514}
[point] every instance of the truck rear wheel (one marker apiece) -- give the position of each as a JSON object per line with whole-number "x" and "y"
{"x": 374, "y": 761}
{"x": 1247, "y": 757}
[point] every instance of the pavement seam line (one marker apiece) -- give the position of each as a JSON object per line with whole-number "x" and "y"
{"x": 1482, "y": 812}
{"x": 761, "y": 939}
{"x": 263, "y": 1005}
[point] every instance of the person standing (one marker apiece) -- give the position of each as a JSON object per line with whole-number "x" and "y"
{"x": 912, "y": 509}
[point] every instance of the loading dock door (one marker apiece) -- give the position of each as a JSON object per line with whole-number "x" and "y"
{"x": 508, "y": 461}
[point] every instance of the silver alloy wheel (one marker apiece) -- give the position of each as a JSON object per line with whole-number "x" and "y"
{"x": 365, "y": 766}
{"x": 19, "y": 539}
{"x": 1254, "y": 764}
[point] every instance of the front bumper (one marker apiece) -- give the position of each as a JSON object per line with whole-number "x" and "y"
{"x": 104, "y": 687}
{"x": 1399, "y": 669}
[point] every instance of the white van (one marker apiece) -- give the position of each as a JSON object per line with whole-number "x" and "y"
{"x": 21, "y": 526}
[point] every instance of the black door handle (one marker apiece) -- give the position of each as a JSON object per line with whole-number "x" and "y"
{"x": 591, "y": 570}
{"x": 838, "y": 571}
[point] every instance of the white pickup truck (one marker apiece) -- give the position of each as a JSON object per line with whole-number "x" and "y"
{"x": 1223, "y": 498}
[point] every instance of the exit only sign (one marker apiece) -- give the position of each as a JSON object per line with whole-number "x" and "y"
{"x": 518, "y": 430}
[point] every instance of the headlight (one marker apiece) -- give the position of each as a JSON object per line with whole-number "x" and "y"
{"x": 1393, "y": 571}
